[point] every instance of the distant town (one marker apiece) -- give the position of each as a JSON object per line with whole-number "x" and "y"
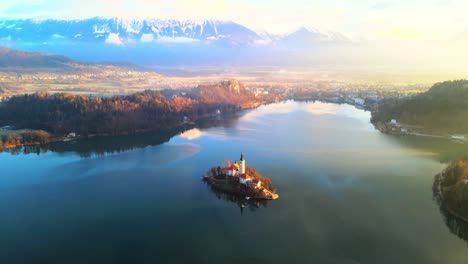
{"x": 108, "y": 81}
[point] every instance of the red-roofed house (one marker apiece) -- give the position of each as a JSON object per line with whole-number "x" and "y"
{"x": 233, "y": 170}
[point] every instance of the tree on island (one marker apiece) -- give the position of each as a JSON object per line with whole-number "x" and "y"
{"x": 266, "y": 182}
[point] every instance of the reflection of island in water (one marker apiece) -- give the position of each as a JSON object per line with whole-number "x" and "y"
{"x": 250, "y": 204}
{"x": 87, "y": 147}
{"x": 450, "y": 190}
{"x": 456, "y": 225}
{"x": 240, "y": 184}
{"x": 450, "y": 187}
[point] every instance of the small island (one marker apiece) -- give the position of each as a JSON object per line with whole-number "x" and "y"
{"x": 241, "y": 180}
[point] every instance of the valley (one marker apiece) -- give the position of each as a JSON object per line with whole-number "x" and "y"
{"x": 121, "y": 125}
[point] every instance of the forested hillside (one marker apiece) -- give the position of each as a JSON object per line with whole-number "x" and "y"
{"x": 18, "y": 58}
{"x": 442, "y": 109}
{"x": 119, "y": 115}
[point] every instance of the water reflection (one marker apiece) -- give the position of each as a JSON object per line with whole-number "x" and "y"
{"x": 341, "y": 180}
{"x": 100, "y": 145}
{"x": 456, "y": 225}
{"x": 243, "y": 204}
{"x": 444, "y": 150}
{"x": 117, "y": 144}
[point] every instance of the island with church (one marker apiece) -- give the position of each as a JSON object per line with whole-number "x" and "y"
{"x": 241, "y": 180}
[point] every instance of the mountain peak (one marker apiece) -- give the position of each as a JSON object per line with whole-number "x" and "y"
{"x": 306, "y": 29}
{"x": 119, "y": 30}
{"x": 307, "y": 35}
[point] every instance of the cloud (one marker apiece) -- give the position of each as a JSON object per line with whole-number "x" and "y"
{"x": 114, "y": 39}
{"x": 263, "y": 42}
{"x": 191, "y": 134}
{"x": 23, "y": 9}
{"x": 57, "y": 36}
{"x": 400, "y": 33}
{"x": 382, "y": 5}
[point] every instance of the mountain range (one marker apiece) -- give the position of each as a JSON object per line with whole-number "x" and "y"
{"x": 120, "y": 31}
{"x": 168, "y": 42}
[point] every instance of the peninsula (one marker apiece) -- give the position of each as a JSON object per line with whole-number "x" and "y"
{"x": 240, "y": 180}
{"x": 439, "y": 112}
{"x": 70, "y": 116}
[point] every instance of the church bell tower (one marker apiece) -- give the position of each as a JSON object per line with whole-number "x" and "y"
{"x": 242, "y": 163}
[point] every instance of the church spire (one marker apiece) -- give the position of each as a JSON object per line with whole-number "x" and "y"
{"x": 242, "y": 163}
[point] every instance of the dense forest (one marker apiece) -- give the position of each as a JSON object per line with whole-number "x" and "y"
{"x": 442, "y": 109}
{"x": 119, "y": 115}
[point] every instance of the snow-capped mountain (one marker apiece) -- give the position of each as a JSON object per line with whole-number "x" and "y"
{"x": 307, "y": 36}
{"x": 163, "y": 41}
{"x": 122, "y": 31}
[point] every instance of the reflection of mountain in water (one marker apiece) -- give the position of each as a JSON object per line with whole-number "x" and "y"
{"x": 251, "y": 204}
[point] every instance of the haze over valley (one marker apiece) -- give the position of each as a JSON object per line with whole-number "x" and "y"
{"x": 224, "y": 44}
{"x": 247, "y": 131}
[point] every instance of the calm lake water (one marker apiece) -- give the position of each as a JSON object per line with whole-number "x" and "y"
{"x": 348, "y": 194}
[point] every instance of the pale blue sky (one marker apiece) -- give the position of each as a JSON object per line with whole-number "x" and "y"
{"x": 367, "y": 19}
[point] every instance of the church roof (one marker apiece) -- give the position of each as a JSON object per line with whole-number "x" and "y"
{"x": 245, "y": 176}
{"x": 232, "y": 167}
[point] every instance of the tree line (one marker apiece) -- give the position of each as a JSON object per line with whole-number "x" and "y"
{"x": 24, "y": 137}
{"x": 442, "y": 109}
{"x": 118, "y": 115}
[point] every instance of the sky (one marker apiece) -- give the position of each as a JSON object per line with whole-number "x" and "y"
{"x": 357, "y": 19}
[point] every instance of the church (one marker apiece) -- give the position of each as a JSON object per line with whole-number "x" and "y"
{"x": 238, "y": 170}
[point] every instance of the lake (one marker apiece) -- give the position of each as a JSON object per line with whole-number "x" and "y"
{"x": 348, "y": 194}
